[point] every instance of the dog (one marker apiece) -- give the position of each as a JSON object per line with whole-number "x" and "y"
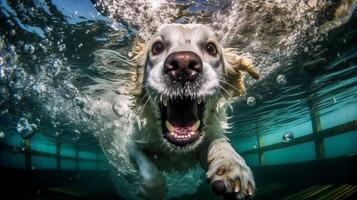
{"x": 178, "y": 87}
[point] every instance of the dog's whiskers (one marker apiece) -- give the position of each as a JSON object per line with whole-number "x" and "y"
{"x": 148, "y": 94}
{"x": 220, "y": 86}
{"x": 143, "y": 107}
{"x": 142, "y": 99}
{"x": 230, "y": 85}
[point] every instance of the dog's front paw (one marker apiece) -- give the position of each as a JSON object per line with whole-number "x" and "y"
{"x": 229, "y": 175}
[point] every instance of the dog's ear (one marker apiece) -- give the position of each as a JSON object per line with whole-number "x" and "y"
{"x": 138, "y": 56}
{"x": 235, "y": 67}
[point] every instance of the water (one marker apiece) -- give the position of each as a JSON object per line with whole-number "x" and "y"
{"x": 305, "y": 51}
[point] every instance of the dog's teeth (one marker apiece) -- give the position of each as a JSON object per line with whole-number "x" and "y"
{"x": 164, "y": 101}
{"x": 169, "y": 127}
{"x": 196, "y": 126}
{"x": 199, "y": 100}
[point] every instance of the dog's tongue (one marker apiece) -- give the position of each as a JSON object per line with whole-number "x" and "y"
{"x": 182, "y": 121}
{"x": 183, "y": 130}
{"x": 182, "y": 113}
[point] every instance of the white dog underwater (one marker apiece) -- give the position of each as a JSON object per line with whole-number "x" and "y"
{"x": 170, "y": 99}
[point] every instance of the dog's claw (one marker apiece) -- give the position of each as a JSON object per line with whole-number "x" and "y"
{"x": 237, "y": 186}
{"x": 250, "y": 189}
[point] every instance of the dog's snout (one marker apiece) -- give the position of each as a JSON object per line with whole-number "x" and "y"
{"x": 183, "y": 66}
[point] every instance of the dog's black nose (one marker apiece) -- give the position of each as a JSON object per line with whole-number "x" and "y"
{"x": 183, "y": 66}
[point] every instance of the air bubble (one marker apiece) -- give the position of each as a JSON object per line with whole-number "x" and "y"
{"x": 117, "y": 123}
{"x": 281, "y": 79}
{"x": 76, "y": 135}
{"x": 1, "y": 60}
{"x": 334, "y": 100}
{"x": 2, "y": 134}
{"x": 57, "y": 134}
{"x": 48, "y": 29}
{"x": 96, "y": 134}
{"x": 21, "y": 124}
{"x": 25, "y": 129}
{"x": 251, "y": 101}
{"x": 61, "y": 47}
{"x": 288, "y": 136}
{"x": 70, "y": 91}
{"x": 3, "y": 112}
{"x": 55, "y": 67}
{"x": 255, "y": 146}
{"x": 12, "y": 32}
{"x": 55, "y": 124}
{"x": 101, "y": 39}
{"x": 155, "y": 3}
{"x": 29, "y": 48}
{"x": 39, "y": 88}
{"x": 12, "y": 48}
{"x": 80, "y": 45}
{"x": 4, "y": 96}
{"x": 80, "y": 102}
{"x": 42, "y": 47}
{"x": 46, "y": 42}
{"x": 20, "y": 43}
{"x": 20, "y": 78}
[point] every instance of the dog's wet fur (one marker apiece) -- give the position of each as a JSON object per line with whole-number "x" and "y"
{"x": 180, "y": 83}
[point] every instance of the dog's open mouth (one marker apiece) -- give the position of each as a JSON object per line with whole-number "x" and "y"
{"x": 182, "y": 120}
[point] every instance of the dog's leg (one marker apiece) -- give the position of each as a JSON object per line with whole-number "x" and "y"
{"x": 227, "y": 172}
{"x": 153, "y": 184}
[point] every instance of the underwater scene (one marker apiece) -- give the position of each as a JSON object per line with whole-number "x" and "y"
{"x": 178, "y": 99}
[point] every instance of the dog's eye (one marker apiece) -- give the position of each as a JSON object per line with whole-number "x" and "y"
{"x": 211, "y": 49}
{"x": 157, "y": 48}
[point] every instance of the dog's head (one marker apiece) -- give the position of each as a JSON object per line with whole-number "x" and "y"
{"x": 185, "y": 72}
